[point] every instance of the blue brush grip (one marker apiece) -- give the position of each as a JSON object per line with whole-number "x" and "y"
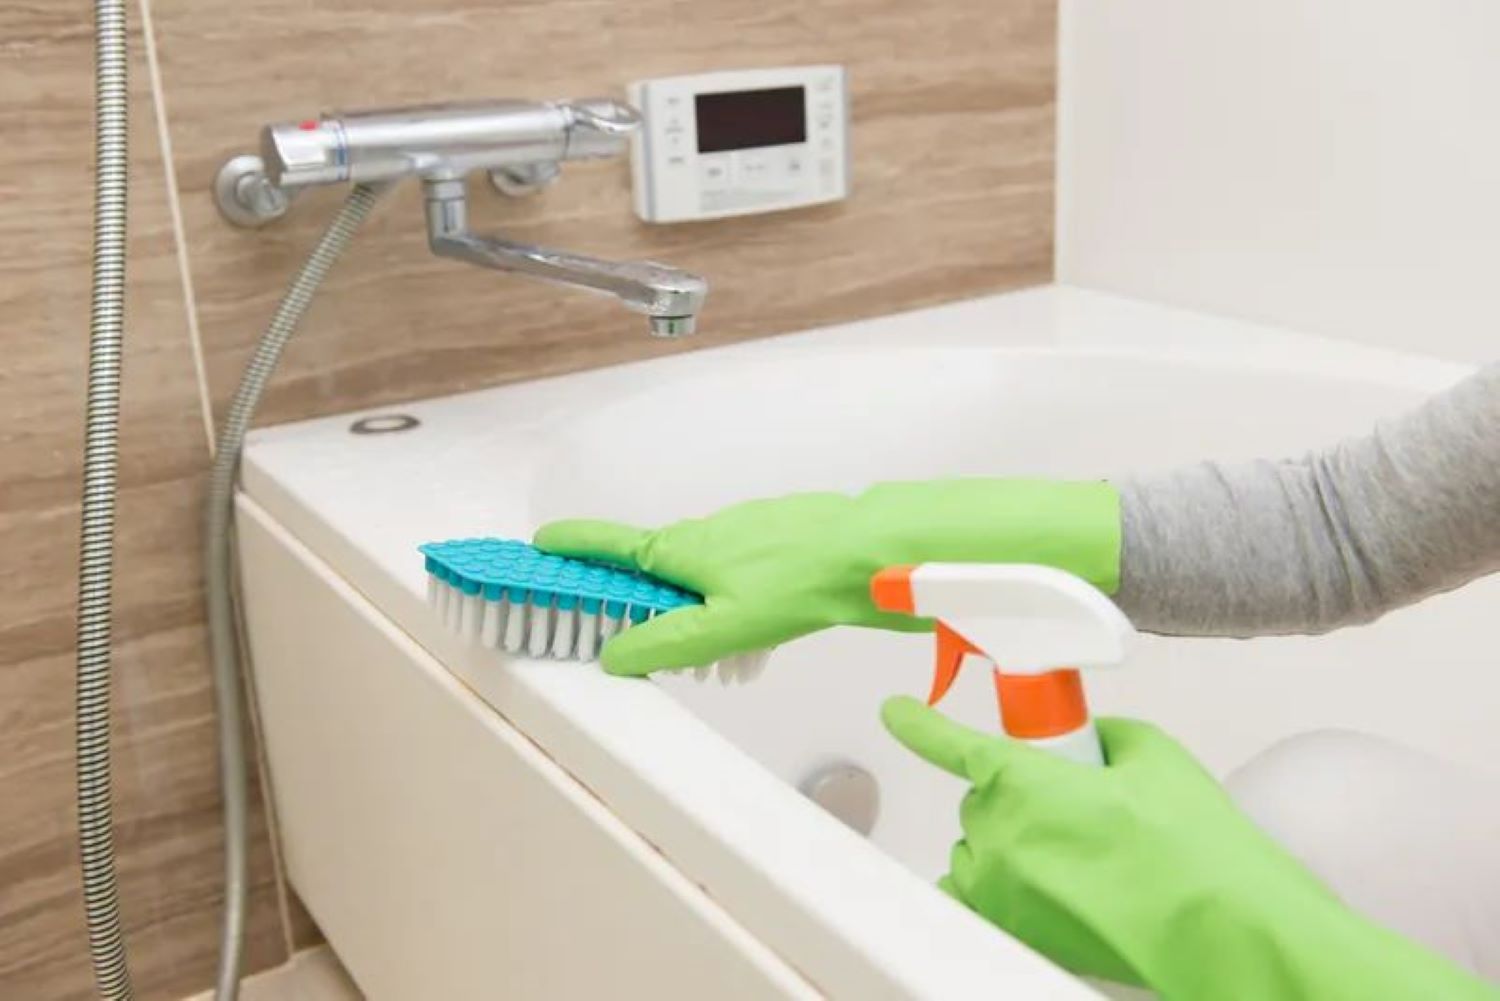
{"x": 523, "y": 573}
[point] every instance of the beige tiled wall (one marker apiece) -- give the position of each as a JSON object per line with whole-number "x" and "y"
{"x": 952, "y": 153}
{"x": 166, "y": 786}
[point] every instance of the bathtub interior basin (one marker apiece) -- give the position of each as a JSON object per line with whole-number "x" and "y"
{"x": 1050, "y": 383}
{"x": 827, "y": 420}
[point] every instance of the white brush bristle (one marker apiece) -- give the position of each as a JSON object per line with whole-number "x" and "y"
{"x": 515, "y": 628}
{"x": 538, "y": 630}
{"x": 532, "y": 630}
{"x": 588, "y": 635}
{"x": 494, "y": 624}
{"x": 563, "y": 634}
{"x": 470, "y": 616}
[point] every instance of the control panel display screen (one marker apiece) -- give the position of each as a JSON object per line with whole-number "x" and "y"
{"x": 745, "y": 119}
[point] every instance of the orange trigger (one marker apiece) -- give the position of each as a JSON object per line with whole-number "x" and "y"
{"x": 951, "y": 650}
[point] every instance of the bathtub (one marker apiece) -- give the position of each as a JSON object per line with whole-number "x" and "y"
{"x": 465, "y": 825}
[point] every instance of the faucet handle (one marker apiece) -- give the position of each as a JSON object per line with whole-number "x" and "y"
{"x": 594, "y": 128}
{"x": 597, "y": 127}
{"x": 604, "y": 115}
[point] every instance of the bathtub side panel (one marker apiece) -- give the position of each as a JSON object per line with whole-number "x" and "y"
{"x": 443, "y": 853}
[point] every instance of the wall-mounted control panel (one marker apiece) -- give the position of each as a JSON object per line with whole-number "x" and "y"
{"x": 740, "y": 142}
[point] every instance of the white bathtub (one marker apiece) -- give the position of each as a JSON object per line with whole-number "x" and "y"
{"x": 463, "y": 825}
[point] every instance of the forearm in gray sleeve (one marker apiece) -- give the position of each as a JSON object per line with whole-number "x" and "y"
{"x": 1334, "y": 538}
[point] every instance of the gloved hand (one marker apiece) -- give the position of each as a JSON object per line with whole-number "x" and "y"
{"x": 773, "y": 570}
{"x": 1144, "y": 872}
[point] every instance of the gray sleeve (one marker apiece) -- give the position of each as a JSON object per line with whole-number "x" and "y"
{"x": 1334, "y": 538}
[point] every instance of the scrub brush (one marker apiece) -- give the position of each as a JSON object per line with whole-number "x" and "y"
{"x": 508, "y": 595}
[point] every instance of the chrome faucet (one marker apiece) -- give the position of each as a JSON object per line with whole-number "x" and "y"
{"x": 521, "y": 144}
{"x": 668, "y": 297}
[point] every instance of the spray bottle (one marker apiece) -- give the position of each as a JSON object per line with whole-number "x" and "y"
{"x": 1036, "y": 625}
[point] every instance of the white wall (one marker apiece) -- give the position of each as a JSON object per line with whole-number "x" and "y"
{"x": 1331, "y": 165}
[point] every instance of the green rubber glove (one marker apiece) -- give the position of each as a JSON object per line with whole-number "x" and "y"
{"x": 773, "y": 570}
{"x": 1144, "y": 872}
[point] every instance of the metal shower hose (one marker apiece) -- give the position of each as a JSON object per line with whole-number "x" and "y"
{"x": 218, "y": 569}
{"x": 100, "y": 464}
{"x": 96, "y": 560}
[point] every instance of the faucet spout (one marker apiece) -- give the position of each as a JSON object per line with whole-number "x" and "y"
{"x": 670, "y": 297}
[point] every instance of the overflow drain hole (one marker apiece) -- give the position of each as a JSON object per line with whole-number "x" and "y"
{"x": 384, "y": 424}
{"x": 846, "y": 790}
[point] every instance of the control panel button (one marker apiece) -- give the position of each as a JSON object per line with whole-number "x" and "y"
{"x": 713, "y": 171}
{"x": 755, "y": 168}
